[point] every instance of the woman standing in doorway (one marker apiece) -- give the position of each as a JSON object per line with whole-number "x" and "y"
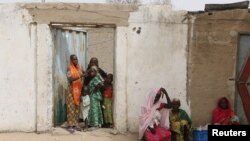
{"x": 94, "y": 62}
{"x": 95, "y": 112}
{"x": 75, "y": 77}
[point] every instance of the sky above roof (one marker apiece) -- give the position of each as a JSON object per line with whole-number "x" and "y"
{"x": 190, "y": 5}
{"x": 194, "y": 5}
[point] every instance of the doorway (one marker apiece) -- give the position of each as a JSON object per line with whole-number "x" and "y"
{"x": 242, "y": 103}
{"x": 86, "y": 42}
{"x": 67, "y": 41}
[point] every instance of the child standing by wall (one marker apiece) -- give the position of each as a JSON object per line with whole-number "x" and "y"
{"x": 85, "y": 106}
{"x": 95, "y": 119}
{"x": 107, "y": 101}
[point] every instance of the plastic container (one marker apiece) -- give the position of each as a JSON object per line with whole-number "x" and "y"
{"x": 200, "y": 135}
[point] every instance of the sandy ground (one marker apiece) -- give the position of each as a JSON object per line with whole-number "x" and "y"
{"x": 62, "y": 135}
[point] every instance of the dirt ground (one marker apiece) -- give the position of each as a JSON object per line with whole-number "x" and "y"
{"x": 62, "y": 135}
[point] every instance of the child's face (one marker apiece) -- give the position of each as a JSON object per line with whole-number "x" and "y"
{"x": 176, "y": 105}
{"x": 108, "y": 79}
{"x": 92, "y": 73}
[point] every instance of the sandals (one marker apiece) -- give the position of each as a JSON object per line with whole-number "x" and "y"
{"x": 73, "y": 129}
{"x": 70, "y": 129}
{"x": 77, "y": 128}
{"x": 92, "y": 128}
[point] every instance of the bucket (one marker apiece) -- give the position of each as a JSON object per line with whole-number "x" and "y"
{"x": 200, "y": 135}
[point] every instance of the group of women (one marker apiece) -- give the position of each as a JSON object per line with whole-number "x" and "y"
{"x": 90, "y": 93}
{"x": 162, "y": 119}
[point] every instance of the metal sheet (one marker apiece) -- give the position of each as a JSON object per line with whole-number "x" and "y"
{"x": 66, "y": 42}
{"x": 237, "y": 5}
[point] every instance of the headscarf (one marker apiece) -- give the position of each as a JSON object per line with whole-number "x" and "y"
{"x": 95, "y": 68}
{"x": 77, "y": 84}
{"x": 176, "y": 100}
{"x": 220, "y": 115}
{"x": 148, "y": 110}
{"x": 92, "y": 59}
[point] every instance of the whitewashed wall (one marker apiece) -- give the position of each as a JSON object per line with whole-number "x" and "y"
{"x": 156, "y": 57}
{"x": 17, "y": 77}
{"x": 153, "y": 57}
{"x": 44, "y": 93}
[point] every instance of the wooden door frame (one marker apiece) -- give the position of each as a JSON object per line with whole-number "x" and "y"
{"x": 241, "y": 79}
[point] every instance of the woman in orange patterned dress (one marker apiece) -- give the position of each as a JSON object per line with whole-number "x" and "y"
{"x": 75, "y": 76}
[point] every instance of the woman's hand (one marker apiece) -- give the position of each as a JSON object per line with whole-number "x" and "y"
{"x": 72, "y": 79}
{"x": 87, "y": 73}
{"x": 152, "y": 130}
{"x": 98, "y": 87}
{"x": 164, "y": 91}
{"x": 169, "y": 103}
{"x": 173, "y": 136}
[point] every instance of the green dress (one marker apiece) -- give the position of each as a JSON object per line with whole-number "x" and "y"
{"x": 95, "y": 112}
{"x": 177, "y": 123}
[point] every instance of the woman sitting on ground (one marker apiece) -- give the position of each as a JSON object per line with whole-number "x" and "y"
{"x": 154, "y": 117}
{"x": 180, "y": 123}
{"x": 223, "y": 114}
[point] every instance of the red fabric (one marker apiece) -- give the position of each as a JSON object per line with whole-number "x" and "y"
{"x": 148, "y": 110}
{"x": 161, "y": 106}
{"x": 245, "y": 98}
{"x": 77, "y": 84}
{"x": 161, "y": 134}
{"x": 108, "y": 92}
{"x": 222, "y": 116}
